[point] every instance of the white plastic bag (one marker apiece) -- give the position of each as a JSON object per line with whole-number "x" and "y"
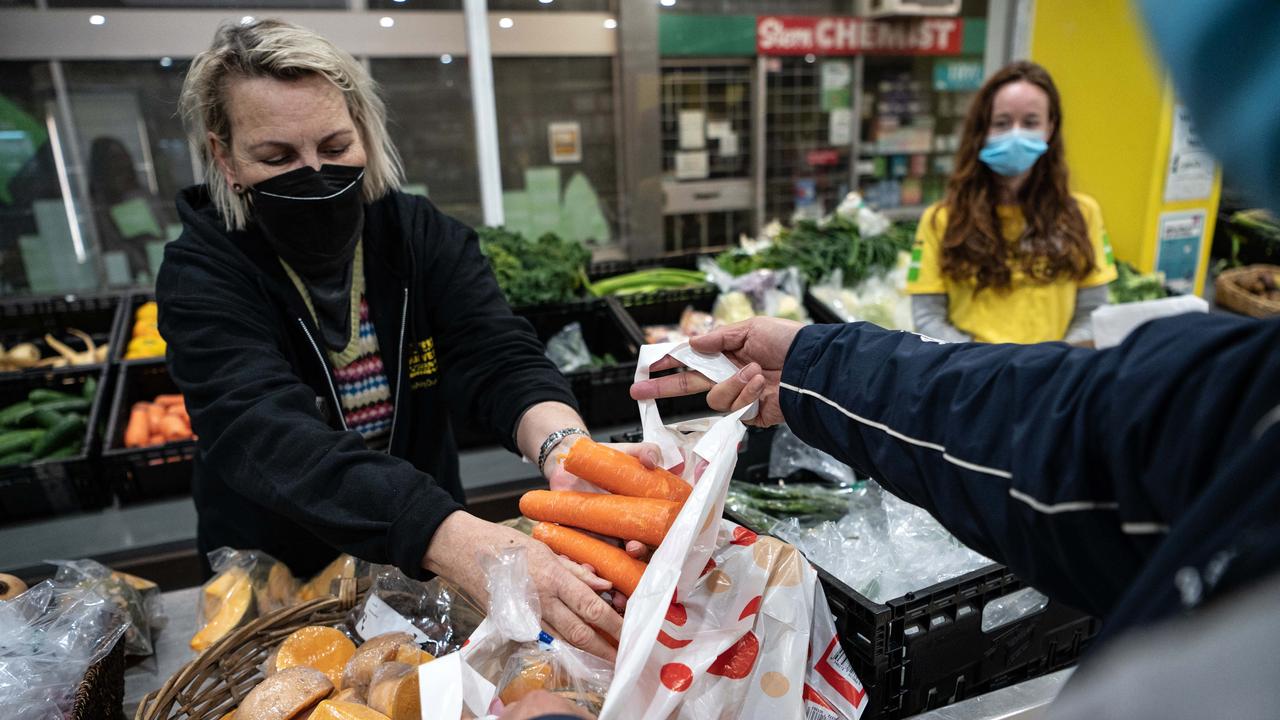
{"x": 724, "y": 623}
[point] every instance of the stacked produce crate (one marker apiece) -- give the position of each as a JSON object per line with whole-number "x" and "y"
{"x": 54, "y": 385}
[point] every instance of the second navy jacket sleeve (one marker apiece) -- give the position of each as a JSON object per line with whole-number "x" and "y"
{"x": 1067, "y": 465}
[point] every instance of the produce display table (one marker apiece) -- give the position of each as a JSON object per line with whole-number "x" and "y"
{"x": 1022, "y": 701}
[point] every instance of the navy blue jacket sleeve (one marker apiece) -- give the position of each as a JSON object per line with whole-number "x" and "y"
{"x": 1068, "y": 465}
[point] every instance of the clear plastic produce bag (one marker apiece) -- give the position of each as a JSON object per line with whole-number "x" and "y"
{"x": 140, "y": 599}
{"x": 49, "y": 637}
{"x": 568, "y": 349}
{"x": 789, "y": 454}
{"x": 437, "y": 614}
{"x": 509, "y": 656}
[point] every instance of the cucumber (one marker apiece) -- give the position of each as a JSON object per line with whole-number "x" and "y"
{"x": 47, "y": 418}
{"x": 70, "y": 405}
{"x": 16, "y": 414}
{"x": 69, "y": 429}
{"x": 19, "y": 440}
{"x": 17, "y": 458}
{"x": 90, "y": 389}
{"x": 40, "y": 396}
{"x": 65, "y": 452}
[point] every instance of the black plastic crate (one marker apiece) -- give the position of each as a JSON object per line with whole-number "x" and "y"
{"x": 24, "y": 320}
{"x": 602, "y": 393}
{"x": 141, "y": 474}
{"x": 665, "y": 308}
{"x": 128, "y": 312}
{"x": 819, "y": 310}
{"x": 927, "y": 648}
{"x": 56, "y": 487}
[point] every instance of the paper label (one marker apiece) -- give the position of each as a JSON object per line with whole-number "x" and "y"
{"x": 380, "y": 618}
{"x": 692, "y": 126}
{"x": 729, "y": 145}
{"x": 693, "y": 165}
{"x": 840, "y": 126}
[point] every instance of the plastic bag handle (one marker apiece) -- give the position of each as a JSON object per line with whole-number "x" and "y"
{"x": 716, "y": 367}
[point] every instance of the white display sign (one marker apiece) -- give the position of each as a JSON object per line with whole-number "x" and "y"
{"x": 840, "y": 126}
{"x": 729, "y": 145}
{"x": 1191, "y": 168}
{"x": 717, "y": 129}
{"x": 692, "y": 125}
{"x": 564, "y": 142}
{"x": 693, "y": 165}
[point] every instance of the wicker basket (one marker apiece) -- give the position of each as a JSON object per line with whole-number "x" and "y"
{"x": 100, "y": 695}
{"x": 219, "y": 679}
{"x": 1230, "y": 293}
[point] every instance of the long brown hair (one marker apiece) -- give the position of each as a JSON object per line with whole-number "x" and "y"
{"x": 1055, "y": 243}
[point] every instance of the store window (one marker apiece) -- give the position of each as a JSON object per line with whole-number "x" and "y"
{"x": 205, "y": 4}
{"x": 707, "y": 159}
{"x": 760, "y": 7}
{"x": 44, "y": 248}
{"x": 134, "y": 158}
{"x": 553, "y": 5}
{"x": 557, "y": 139}
{"x": 455, "y": 5}
{"x": 913, "y": 110}
{"x": 430, "y": 122}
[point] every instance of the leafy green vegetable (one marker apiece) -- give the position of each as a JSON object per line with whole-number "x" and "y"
{"x": 818, "y": 248}
{"x": 1133, "y": 286}
{"x": 809, "y": 501}
{"x": 645, "y": 281}
{"x": 533, "y": 272}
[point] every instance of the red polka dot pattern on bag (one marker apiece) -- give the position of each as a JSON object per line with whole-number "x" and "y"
{"x": 677, "y": 677}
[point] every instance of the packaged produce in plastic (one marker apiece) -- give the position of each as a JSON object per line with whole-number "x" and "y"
{"x": 139, "y": 598}
{"x": 436, "y": 615}
{"x": 883, "y": 547}
{"x": 49, "y": 637}
{"x": 246, "y": 584}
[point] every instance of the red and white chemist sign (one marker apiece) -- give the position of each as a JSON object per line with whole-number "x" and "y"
{"x": 805, "y": 35}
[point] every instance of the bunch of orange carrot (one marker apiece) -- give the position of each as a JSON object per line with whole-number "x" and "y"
{"x": 640, "y": 504}
{"x": 163, "y": 420}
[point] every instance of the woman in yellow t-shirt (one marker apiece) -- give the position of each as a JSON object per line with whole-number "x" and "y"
{"x": 1011, "y": 255}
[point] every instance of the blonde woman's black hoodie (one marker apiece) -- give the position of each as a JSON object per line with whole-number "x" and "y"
{"x": 276, "y": 469}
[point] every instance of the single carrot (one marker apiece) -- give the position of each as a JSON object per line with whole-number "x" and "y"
{"x": 622, "y": 474}
{"x": 174, "y": 429}
{"x": 155, "y": 414}
{"x": 611, "y": 563}
{"x": 180, "y": 412}
{"x": 168, "y": 400}
{"x": 155, "y": 440}
{"x": 619, "y": 516}
{"x": 138, "y": 431}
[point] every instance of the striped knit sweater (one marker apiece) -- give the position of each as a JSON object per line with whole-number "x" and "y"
{"x": 361, "y": 381}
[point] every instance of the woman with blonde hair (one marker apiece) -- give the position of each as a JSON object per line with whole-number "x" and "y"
{"x": 323, "y": 326}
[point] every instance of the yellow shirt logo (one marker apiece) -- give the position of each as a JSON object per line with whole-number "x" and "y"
{"x": 423, "y": 368}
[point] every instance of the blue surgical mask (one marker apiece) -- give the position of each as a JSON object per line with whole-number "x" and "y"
{"x": 1014, "y": 152}
{"x": 1224, "y": 57}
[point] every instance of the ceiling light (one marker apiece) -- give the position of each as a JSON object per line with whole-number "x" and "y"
{"x": 546, "y": 2}
{"x": 386, "y": 22}
{"x": 246, "y": 19}
{"x": 97, "y": 20}
{"x": 166, "y": 61}
{"x": 506, "y": 23}
{"x": 810, "y": 58}
{"x": 667, "y": 3}
{"x": 610, "y": 24}
{"x": 446, "y": 58}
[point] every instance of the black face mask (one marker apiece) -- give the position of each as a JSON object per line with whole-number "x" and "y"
{"x": 313, "y": 222}
{"x": 312, "y": 219}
